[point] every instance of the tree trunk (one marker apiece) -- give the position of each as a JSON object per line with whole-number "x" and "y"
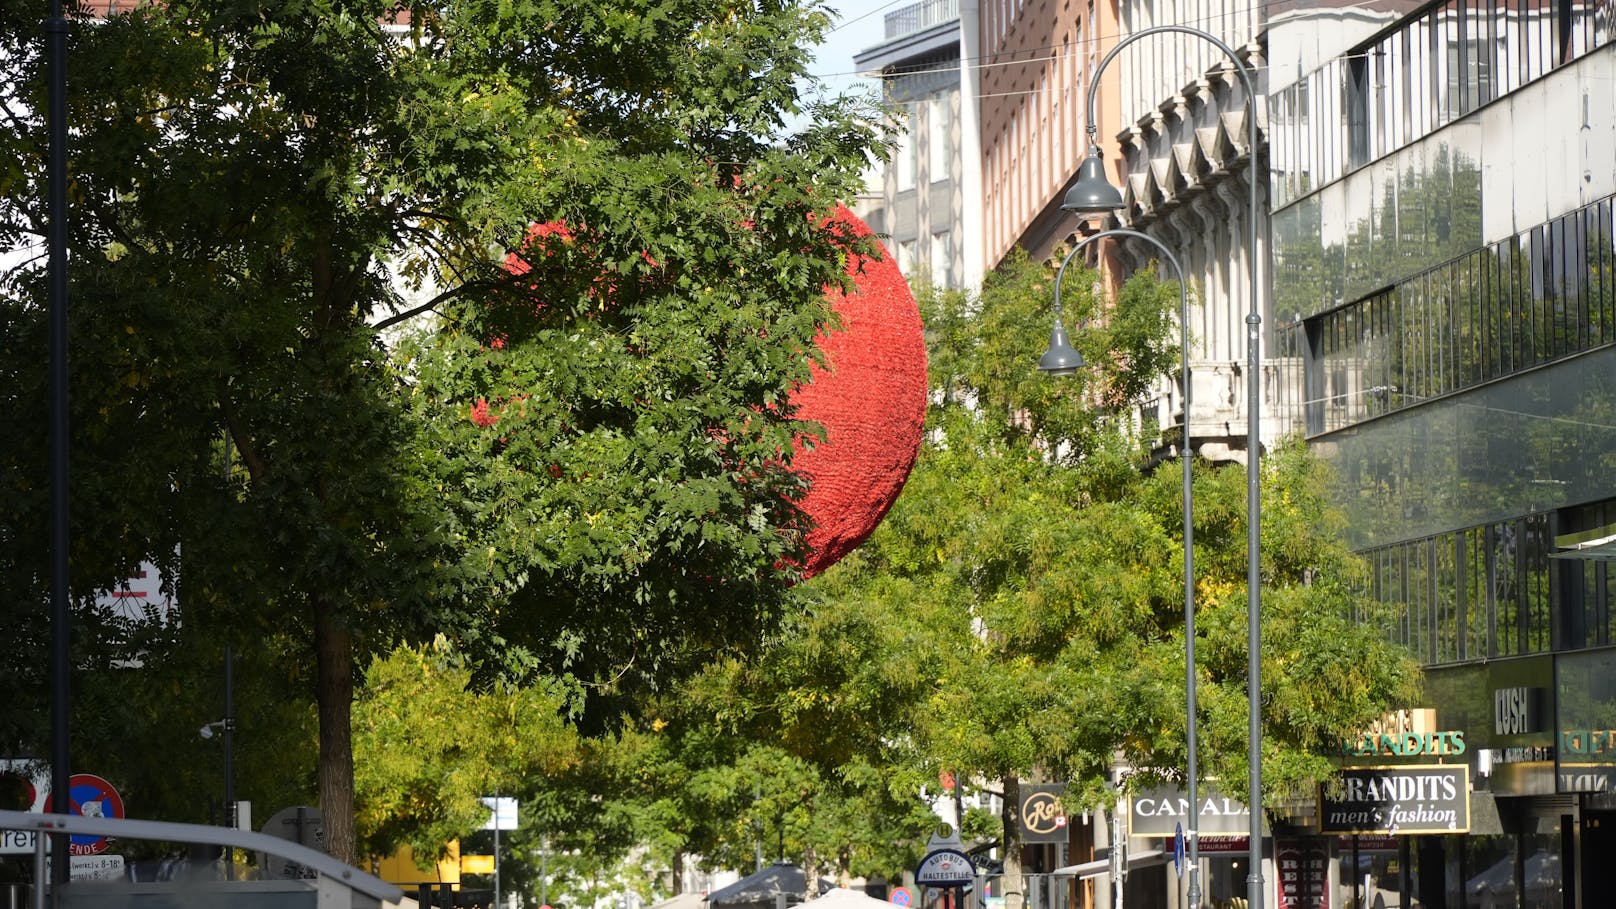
{"x": 1013, "y": 882}
{"x": 334, "y": 692}
{"x": 810, "y": 873}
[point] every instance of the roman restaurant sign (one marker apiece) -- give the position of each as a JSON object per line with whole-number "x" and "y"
{"x": 1042, "y": 818}
{"x": 1414, "y": 799}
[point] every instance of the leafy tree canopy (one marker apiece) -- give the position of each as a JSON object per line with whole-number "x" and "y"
{"x": 574, "y": 461}
{"x": 1027, "y": 589}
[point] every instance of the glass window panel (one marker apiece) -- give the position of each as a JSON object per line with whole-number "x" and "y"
{"x": 1561, "y": 305}
{"x": 1482, "y": 42}
{"x": 1396, "y": 596}
{"x": 1451, "y": 40}
{"x": 1468, "y": 329}
{"x": 1605, "y": 268}
{"x": 1453, "y": 337}
{"x": 1591, "y": 607}
{"x": 1446, "y": 590}
{"x": 1487, "y": 309}
{"x": 1503, "y": 592}
{"x": 1475, "y": 642}
{"x": 1535, "y": 584}
{"x": 1607, "y": 603}
{"x": 1574, "y": 274}
{"x": 1522, "y": 13}
{"x": 1528, "y": 277}
{"x": 1413, "y": 599}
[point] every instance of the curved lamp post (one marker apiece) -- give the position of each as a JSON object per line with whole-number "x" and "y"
{"x": 1066, "y": 360}
{"x": 1094, "y": 193}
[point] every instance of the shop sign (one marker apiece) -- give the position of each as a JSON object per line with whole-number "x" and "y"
{"x": 1157, "y": 812}
{"x": 1042, "y": 818}
{"x": 1518, "y": 710}
{"x": 1410, "y": 732}
{"x": 1397, "y": 800}
{"x": 1407, "y": 744}
{"x": 1304, "y": 873}
{"x": 1368, "y": 842}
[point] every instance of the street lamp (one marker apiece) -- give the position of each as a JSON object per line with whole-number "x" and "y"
{"x": 1093, "y": 193}
{"x": 1192, "y": 836}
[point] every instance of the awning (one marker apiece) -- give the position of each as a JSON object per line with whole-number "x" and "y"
{"x": 1597, "y": 544}
{"x": 1148, "y": 858}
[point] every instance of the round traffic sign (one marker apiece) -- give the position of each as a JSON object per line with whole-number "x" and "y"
{"x": 945, "y": 868}
{"x": 89, "y": 796}
{"x": 901, "y": 896}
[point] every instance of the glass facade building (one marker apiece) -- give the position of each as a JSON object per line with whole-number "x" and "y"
{"x": 1444, "y": 242}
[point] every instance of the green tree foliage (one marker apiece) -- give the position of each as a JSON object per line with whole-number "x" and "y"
{"x": 261, "y": 190}
{"x": 1019, "y": 612}
{"x": 429, "y": 745}
{"x": 1033, "y": 569}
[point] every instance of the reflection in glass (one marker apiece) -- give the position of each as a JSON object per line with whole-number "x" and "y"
{"x": 1541, "y": 296}
{"x": 1433, "y": 70}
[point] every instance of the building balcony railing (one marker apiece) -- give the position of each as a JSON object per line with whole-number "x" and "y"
{"x": 920, "y": 16}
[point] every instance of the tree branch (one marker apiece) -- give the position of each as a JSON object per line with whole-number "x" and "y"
{"x": 426, "y": 307}
{"x": 257, "y": 467}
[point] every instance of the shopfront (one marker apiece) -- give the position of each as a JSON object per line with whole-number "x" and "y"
{"x": 1536, "y": 738}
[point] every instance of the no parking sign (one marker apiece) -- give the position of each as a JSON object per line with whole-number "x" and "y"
{"x": 89, "y": 796}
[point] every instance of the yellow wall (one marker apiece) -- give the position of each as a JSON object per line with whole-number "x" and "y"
{"x": 400, "y": 867}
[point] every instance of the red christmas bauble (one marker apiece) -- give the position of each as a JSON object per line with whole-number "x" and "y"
{"x": 872, "y": 403}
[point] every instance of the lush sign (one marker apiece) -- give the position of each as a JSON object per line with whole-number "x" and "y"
{"x": 1414, "y": 799}
{"x": 1518, "y": 710}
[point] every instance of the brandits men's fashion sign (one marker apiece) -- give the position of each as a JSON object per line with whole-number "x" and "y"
{"x": 1423, "y": 799}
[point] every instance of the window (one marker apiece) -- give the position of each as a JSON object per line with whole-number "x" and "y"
{"x": 903, "y": 162}
{"x": 906, "y": 257}
{"x": 1543, "y": 295}
{"x": 1357, "y": 111}
{"x": 942, "y": 259}
{"x": 939, "y": 139}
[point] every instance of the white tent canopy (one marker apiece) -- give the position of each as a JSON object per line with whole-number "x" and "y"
{"x": 843, "y": 898}
{"x": 682, "y": 901}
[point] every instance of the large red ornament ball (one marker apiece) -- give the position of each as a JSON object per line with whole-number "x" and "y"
{"x": 872, "y": 403}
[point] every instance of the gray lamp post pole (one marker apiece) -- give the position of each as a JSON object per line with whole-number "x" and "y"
{"x": 56, "y": 30}
{"x": 1093, "y": 192}
{"x": 1073, "y": 361}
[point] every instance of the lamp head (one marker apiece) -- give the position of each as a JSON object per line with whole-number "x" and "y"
{"x": 1061, "y": 359}
{"x": 1093, "y": 192}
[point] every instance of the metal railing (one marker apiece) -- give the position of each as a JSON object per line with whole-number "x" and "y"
{"x": 332, "y": 882}
{"x": 920, "y": 16}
